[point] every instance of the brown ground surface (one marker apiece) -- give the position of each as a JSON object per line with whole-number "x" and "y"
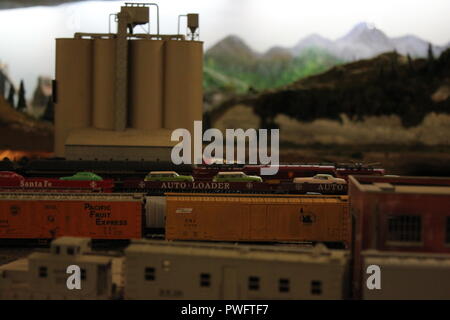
{"x": 19, "y": 131}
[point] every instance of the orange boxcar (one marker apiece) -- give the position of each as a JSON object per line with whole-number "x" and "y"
{"x": 46, "y": 216}
{"x": 314, "y": 218}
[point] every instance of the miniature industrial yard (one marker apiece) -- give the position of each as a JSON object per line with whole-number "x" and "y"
{"x": 112, "y": 203}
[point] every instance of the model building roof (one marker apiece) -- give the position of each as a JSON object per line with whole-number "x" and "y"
{"x": 404, "y": 185}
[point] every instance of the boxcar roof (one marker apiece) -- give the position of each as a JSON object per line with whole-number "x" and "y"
{"x": 81, "y": 258}
{"x": 66, "y": 196}
{"x": 306, "y": 255}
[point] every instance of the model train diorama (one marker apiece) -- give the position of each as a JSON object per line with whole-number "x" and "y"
{"x": 123, "y": 190}
{"x": 395, "y": 225}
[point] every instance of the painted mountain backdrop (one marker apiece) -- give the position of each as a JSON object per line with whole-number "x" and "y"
{"x": 231, "y": 65}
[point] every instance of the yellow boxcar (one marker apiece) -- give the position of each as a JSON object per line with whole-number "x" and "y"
{"x": 310, "y": 218}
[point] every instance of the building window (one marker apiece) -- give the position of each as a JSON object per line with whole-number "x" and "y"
{"x": 253, "y": 283}
{"x": 447, "y": 236}
{"x": 404, "y": 228}
{"x": 83, "y": 274}
{"x": 283, "y": 285}
{"x": 149, "y": 274}
{"x": 42, "y": 272}
{"x": 316, "y": 287}
{"x": 205, "y": 280}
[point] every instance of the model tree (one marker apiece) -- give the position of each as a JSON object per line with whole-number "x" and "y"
{"x": 11, "y": 95}
{"x": 431, "y": 60}
{"x": 2, "y": 83}
{"x": 21, "y": 103}
{"x": 410, "y": 64}
{"x": 430, "y": 53}
{"x": 49, "y": 110}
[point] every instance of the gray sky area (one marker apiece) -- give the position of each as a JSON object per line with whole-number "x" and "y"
{"x": 27, "y": 35}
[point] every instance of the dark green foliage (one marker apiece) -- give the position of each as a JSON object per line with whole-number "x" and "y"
{"x": 11, "y": 95}
{"x": 49, "y": 111}
{"x": 21, "y": 103}
{"x": 431, "y": 60}
{"x": 405, "y": 90}
{"x": 430, "y": 52}
{"x": 2, "y": 84}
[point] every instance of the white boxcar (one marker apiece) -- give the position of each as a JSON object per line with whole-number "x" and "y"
{"x": 188, "y": 270}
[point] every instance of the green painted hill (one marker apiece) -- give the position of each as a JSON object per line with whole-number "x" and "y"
{"x": 232, "y": 65}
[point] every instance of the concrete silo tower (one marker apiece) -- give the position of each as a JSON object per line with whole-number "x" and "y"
{"x": 119, "y": 95}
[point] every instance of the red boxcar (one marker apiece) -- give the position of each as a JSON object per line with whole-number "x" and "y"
{"x": 47, "y": 216}
{"x": 399, "y": 214}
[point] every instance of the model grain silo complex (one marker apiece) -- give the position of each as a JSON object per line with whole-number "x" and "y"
{"x": 120, "y": 95}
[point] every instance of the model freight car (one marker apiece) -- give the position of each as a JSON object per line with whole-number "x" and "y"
{"x": 286, "y": 172}
{"x": 42, "y": 276}
{"x": 267, "y": 218}
{"x": 178, "y": 270}
{"x": 205, "y": 186}
{"x": 47, "y": 216}
{"x": 193, "y": 270}
{"x": 12, "y": 182}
